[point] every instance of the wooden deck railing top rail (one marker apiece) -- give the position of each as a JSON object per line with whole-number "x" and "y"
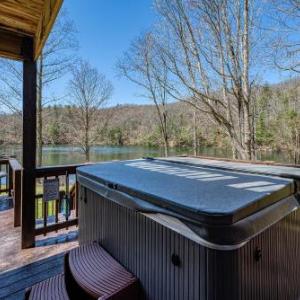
{"x": 15, "y": 165}
{"x": 56, "y": 170}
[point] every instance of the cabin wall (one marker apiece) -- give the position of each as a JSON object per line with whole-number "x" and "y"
{"x": 146, "y": 247}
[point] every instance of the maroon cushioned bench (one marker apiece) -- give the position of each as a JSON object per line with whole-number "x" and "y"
{"x": 90, "y": 273}
{"x": 93, "y": 273}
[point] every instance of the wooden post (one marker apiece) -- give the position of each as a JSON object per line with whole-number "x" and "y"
{"x": 17, "y": 190}
{"x": 76, "y": 197}
{"x": 29, "y": 144}
{"x": 10, "y": 179}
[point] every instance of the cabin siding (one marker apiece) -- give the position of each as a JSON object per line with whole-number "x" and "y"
{"x": 146, "y": 247}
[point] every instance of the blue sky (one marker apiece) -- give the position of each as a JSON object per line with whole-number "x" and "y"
{"x": 105, "y": 30}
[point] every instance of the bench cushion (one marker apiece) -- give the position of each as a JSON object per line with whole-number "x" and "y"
{"x": 100, "y": 275}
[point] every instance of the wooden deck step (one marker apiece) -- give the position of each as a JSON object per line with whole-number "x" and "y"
{"x": 99, "y": 275}
{"x": 52, "y": 288}
{"x": 90, "y": 273}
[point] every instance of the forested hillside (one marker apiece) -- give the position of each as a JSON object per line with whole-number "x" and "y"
{"x": 276, "y": 119}
{"x": 202, "y": 66}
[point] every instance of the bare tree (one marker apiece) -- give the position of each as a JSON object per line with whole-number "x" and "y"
{"x": 209, "y": 55}
{"x": 56, "y": 59}
{"x": 54, "y": 62}
{"x": 89, "y": 91}
{"x": 11, "y": 78}
{"x": 286, "y": 20}
{"x": 143, "y": 65}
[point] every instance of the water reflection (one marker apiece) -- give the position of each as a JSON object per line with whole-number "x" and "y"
{"x": 66, "y": 154}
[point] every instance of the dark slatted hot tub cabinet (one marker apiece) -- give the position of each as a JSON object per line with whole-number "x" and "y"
{"x": 196, "y": 229}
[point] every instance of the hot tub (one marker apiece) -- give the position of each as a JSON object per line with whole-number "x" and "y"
{"x": 196, "y": 229}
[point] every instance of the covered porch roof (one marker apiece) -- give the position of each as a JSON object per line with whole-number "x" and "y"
{"x": 21, "y": 19}
{"x": 24, "y": 28}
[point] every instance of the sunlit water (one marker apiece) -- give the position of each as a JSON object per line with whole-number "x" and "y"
{"x": 66, "y": 154}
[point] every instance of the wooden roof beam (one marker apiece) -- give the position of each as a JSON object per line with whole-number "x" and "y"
{"x": 11, "y": 45}
{"x": 17, "y": 24}
{"x": 30, "y": 13}
{"x": 49, "y": 14}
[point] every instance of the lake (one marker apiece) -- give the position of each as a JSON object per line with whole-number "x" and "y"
{"x": 66, "y": 154}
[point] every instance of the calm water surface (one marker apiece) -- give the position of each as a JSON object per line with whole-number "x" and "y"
{"x": 65, "y": 154}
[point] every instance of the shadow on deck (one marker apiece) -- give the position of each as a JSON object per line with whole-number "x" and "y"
{"x": 23, "y": 268}
{"x": 13, "y": 283}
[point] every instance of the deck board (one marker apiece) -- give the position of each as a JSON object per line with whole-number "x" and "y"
{"x": 14, "y": 282}
{"x": 11, "y": 254}
{"x": 20, "y": 269}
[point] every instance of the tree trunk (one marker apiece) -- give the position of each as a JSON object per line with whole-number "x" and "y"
{"x": 195, "y": 144}
{"x": 247, "y": 136}
{"x": 87, "y": 153}
{"x": 39, "y": 114}
{"x": 238, "y": 151}
{"x": 86, "y": 137}
{"x": 87, "y": 146}
{"x": 166, "y": 146}
{"x": 164, "y": 131}
{"x": 234, "y": 152}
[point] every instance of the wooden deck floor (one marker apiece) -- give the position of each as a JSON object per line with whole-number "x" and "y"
{"x": 22, "y": 268}
{"x": 13, "y": 283}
